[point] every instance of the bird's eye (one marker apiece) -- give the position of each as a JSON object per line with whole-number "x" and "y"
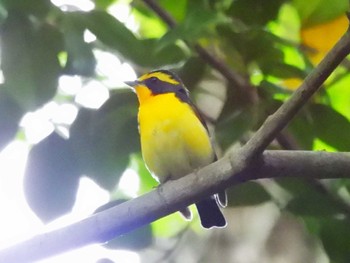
{"x": 153, "y": 79}
{"x": 183, "y": 91}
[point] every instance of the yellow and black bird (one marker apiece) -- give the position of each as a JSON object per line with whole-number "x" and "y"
{"x": 174, "y": 137}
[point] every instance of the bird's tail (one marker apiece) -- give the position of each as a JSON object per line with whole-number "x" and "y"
{"x": 210, "y": 214}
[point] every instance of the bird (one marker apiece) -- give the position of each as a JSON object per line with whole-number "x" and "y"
{"x": 175, "y": 140}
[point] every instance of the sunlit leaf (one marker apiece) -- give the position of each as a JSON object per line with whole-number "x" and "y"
{"x": 150, "y": 25}
{"x": 330, "y": 126}
{"x": 147, "y": 182}
{"x": 170, "y": 225}
{"x": 287, "y": 24}
{"x": 340, "y": 103}
{"x": 319, "y": 145}
{"x": 176, "y": 8}
{"x": 103, "y": 4}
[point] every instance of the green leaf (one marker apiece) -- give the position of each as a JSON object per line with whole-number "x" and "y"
{"x": 312, "y": 205}
{"x": 112, "y": 33}
{"x": 197, "y": 24}
{"x": 40, "y": 7}
{"x": 340, "y": 103}
{"x": 233, "y": 127}
{"x": 29, "y": 60}
{"x": 236, "y": 118}
{"x": 309, "y": 199}
{"x": 192, "y": 72}
{"x": 294, "y": 186}
{"x": 279, "y": 69}
{"x": 104, "y": 139}
{"x": 255, "y": 45}
{"x": 269, "y": 90}
{"x": 150, "y": 26}
{"x": 346, "y": 184}
{"x": 249, "y": 193}
{"x": 302, "y": 130}
{"x": 177, "y": 9}
{"x": 335, "y": 239}
{"x": 135, "y": 240}
{"x": 156, "y": 57}
{"x": 170, "y": 226}
{"x": 145, "y": 52}
{"x": 81, "y": 60}
{"x": 255, "y": 12}
{"x": 316, "y": 12}
{"x": 51, "y": 178}
{"x": 147, "y": 182}
{"x": 330, "y": 126}
{"x": 313, "y": 224}
{"x": 10, "y": 115}
{"x": 104, "y": 4}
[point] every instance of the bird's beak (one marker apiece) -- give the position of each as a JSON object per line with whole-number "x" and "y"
{"x": 132, "y": 83}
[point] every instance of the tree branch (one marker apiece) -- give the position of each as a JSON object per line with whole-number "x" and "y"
{"x": 173, "y": 195}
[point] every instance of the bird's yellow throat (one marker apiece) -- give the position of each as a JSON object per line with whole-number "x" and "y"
{"x": 143, "y": 94}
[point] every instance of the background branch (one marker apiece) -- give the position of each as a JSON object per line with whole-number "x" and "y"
{"x": 173, "y": 195}
{"x": 277, "y": 121}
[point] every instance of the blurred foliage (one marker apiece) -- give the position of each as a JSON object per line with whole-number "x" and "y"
{"x": 51, "y": 178}
{"x": 271, "y": 44}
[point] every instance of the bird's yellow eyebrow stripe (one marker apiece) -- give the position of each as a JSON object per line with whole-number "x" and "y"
{"x": 161, "y": 76}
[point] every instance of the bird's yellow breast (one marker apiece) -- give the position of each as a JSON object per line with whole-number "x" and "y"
{"x": 174, "y": 141}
